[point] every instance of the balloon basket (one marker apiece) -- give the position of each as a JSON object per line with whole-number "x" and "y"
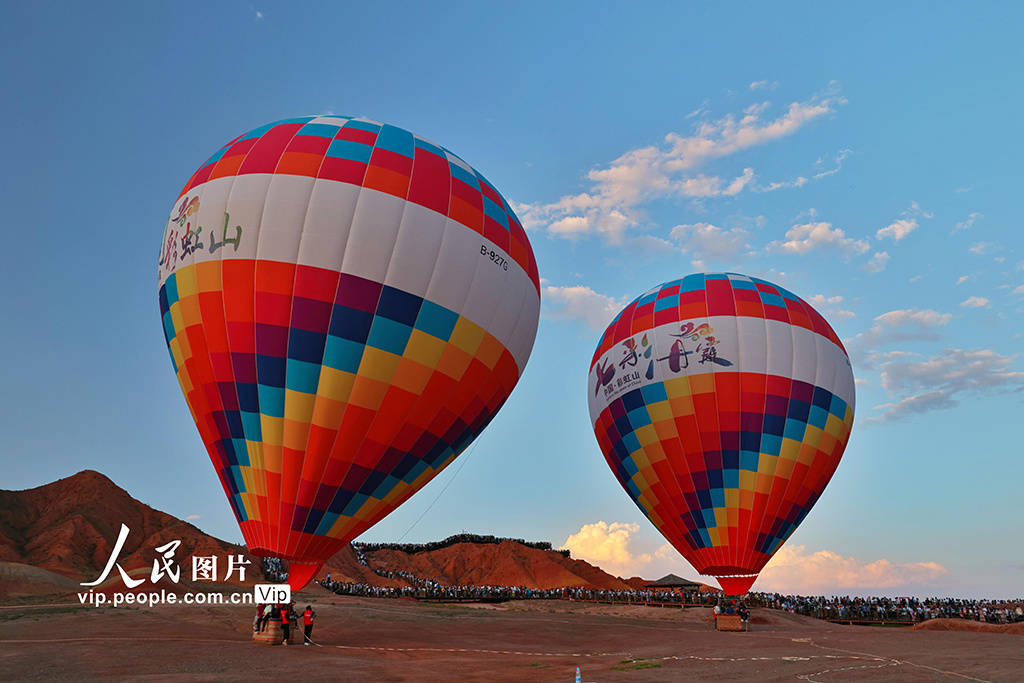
{"x": 272, "y": 635}
{"x": 729, "y": 622}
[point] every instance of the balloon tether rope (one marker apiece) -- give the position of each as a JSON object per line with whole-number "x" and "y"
{"x": 465, "y": 459}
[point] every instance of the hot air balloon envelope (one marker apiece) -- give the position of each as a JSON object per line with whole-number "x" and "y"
{"x": 346, "y": 306}
{"x": 723, "y": 404}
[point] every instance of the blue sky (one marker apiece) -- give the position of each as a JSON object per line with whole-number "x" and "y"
{"x": 865, "y": 157}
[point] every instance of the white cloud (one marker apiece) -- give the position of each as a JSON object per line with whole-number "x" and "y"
{"x": 902, "y": 227}
{"x": 704, "y": 241}
{"x": 830, "y": 307}
{"x": 764, "y": 85}
{"x": 937, "y": 382}
{"x": 913, "y": 316}
{"x": 705, "y": 186}
{"x": 794, "y": 570}
{"x": 898, "y": 325}
{"x": 192, "y": 518}
{"x": 897, "y": 229}
{"x": 965, "y": 188}
{"x": 806, "y": 237}
{"x": 800, "y": 181}
{"x": 877, "y": 263}
{"x": 962, "y": 279}
{"x": 609, "y": 546}
{"x": 915, "y": 278}
{"x": 582, "y": 303}
{"x": 840, "y": 158}
{"x": 570, "y": 226}
{"x": 1019, "y": 290}
{"x": 981, "y": 248}
{"x": 699, "y": 111}
{"x": 968, "y": 222}
{"x": 975, "y": 302}
{"x": 610, "y": 206}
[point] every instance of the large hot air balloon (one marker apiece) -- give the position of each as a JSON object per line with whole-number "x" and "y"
{"x": 723, "y": 404}
{"x": 347, "y": 306}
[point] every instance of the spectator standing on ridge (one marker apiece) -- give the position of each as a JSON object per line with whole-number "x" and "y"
{"x": 308, "y": 615}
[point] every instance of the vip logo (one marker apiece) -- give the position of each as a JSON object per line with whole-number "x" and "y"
{"x": 272, "y": 592}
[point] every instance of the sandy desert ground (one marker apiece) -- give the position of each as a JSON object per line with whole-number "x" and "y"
{"x": 398, "y": 640}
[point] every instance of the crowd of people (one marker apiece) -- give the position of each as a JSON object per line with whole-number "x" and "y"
{"x": 413, "y": 548}
{"x": 832, "y": 608}
{"x": 427, "y": 589}
{"x": 894, "y": 609}
{"x": 274, "y": 569}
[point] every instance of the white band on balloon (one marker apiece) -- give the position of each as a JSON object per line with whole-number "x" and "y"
{"x": 719, "y": 344}
{"x": 364, "y": 232}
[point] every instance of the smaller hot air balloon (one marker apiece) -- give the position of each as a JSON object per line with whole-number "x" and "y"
{"x": 347, "y": 306}
{"x": 723, "y": 404}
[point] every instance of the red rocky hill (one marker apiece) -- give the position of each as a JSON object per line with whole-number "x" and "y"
{"x": 63, "y": 533}
{"x": 496, "y": 564}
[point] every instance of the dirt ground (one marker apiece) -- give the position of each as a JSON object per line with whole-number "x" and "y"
{"x": 398, "y": 640}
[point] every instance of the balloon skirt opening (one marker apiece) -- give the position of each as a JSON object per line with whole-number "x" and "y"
{"x": 300, "y": 574}
{"x": 736, "y": 585}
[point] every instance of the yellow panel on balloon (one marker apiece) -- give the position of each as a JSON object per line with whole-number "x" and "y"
{"x": 467, "y": 336}
{"x": 186, "y": 282}
{"x": 272, "y": 429}
{"x": 812, "y": 436}
{"x": 677, "y": 387}
{"x": 335, "y": 384}
{"x": 766, "y": 463}
{"x": 424, "y": 348}
{"x": 298, "y": 405}
{"x": 790, "y": 450}
{"x": 646, "y": 435}
{"x": 378, "y": 365}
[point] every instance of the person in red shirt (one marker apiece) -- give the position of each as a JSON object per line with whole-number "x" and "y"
{"x": 308, "y": 615}
{"x": 283, "y": 612}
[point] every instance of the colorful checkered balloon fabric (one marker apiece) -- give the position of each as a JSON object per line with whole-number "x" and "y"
{"x": 346, "y": 306}
{"x": 723, "y": 404}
